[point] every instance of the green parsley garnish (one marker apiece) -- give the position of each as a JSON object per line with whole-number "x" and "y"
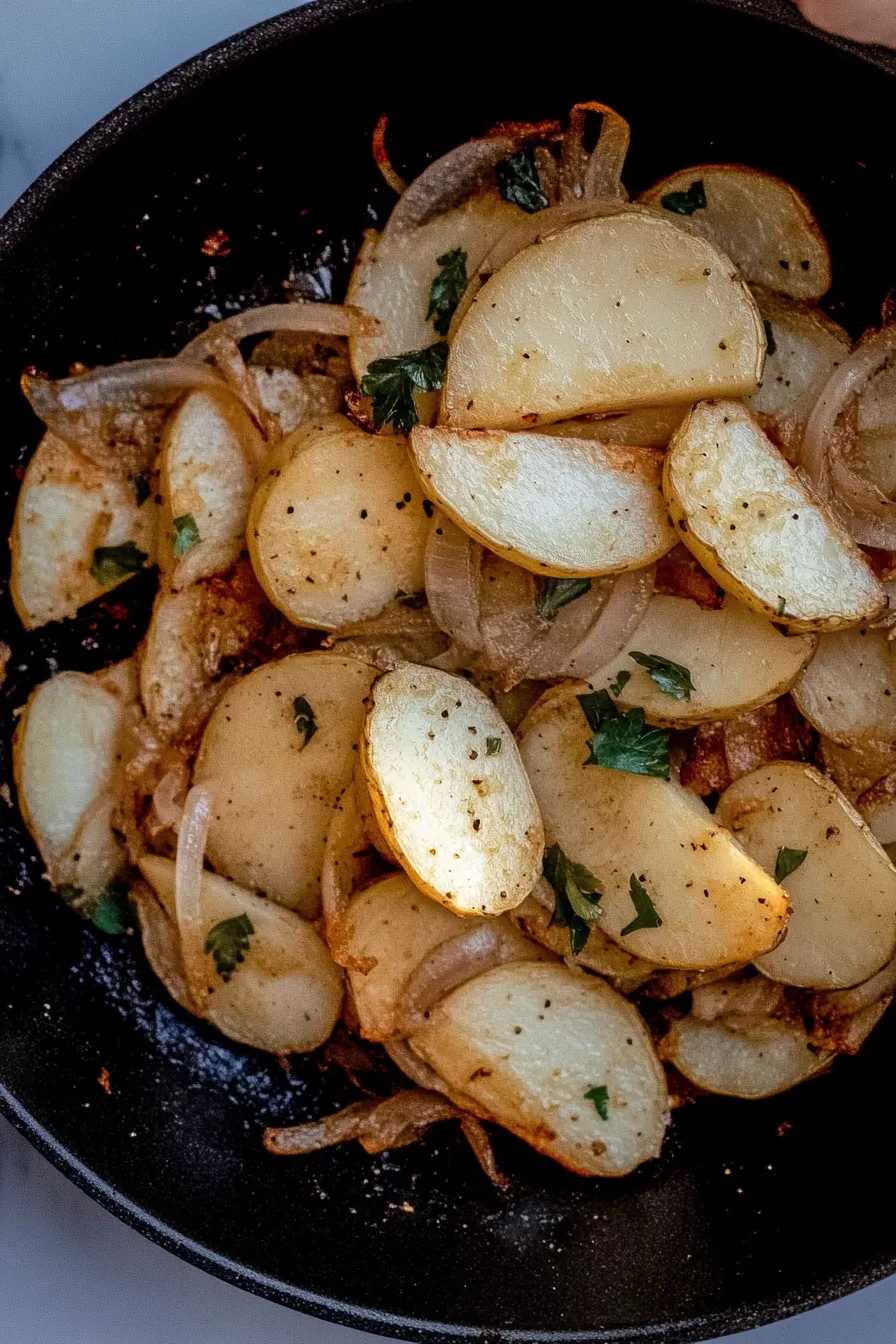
{"x": 622, "y": 741}
{"x": 646, "y": 916}
{"x": 447, "y": 289}
{"x": 557, "y": 593}
{"x": 685, "y": 202}
{"x": 519, "y": 183}
{"x": 390, "y": 383}
{"x": 782, "y": 603}
{"x": 186, "y": 534}
{"x": 304, "y": 718}
{"x": 142, "y": 484}
{"x": 228, "y": 943}
{"x": 111, "y": 563}
{"x": 623, "y": 676}
{"x": 577, "y": 893}
{"x": 787, "y": 861}
{"x": 770, "y": 347}
{"x": 113, "y": 912}
{"x": 601, "y": 1098}
{"x": 416, "y": 601}
{"x": 672, "y": 678}
{"x": 493, "y": 746}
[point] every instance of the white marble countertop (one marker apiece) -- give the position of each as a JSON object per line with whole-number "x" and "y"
{"x": 69, "y": 1272}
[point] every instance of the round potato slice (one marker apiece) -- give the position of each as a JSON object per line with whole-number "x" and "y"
{"x": 711, "y": 905}
{"x": 764, "y": 225}
{"x": 754, "y": 524}
{"x": 624, "y": 970}
{"x": 553, "y": 506}
{"x": 848, "y": 691}
{"x": 68, "y": 761}
{"x": 283, "y": 994}
{"x": 211, "y": 452}
{"x": 70, "y": 514}
{"x": 841, "y": 883}
{"x": 278, "y": 753}
{"x": 450, "y": 791}
{"x": 560, "y": 1059}
{"x": 736, "y": 660}
{"x": 803, "y": 348}
{"x": 605, "y": 315}
{"x": 338, "y": 526}
{"x": 740, "y": 1056}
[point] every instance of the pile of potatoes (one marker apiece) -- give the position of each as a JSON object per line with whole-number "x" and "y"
{"x": 410, "y": 740}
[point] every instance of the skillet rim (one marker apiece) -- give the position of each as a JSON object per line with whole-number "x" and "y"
{"x": 15, "y": 224}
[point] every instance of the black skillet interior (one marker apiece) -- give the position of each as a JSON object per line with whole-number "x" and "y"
{"x": 752, "y": 1211}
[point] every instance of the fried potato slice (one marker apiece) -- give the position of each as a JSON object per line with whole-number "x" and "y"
{"x": 755, "y": 525}
{"x": 843, "y": 926}
{"x": 607, "y": 314}
{"x": 68, "y": 508}
{"x": 68, "y": 761}
{"x": 338, "y": 525}
{"x": 848, "y": 691}
{"x": 714, "y": 904}
{"x": 295, "y": 399}
{"x": 211, "y": 453}
{"x": 278, "y": 754}
{"x": 623, "y": 969}
{"x": 736, "y": 661}
{"x": 761, "y": 222}
{"x": 528, "y": 1043}
{"x": 286, "y": 992}
{"x": 743, "y": 1056}
{"x": 553, "y": 506}
{"x": 648, "y": 427}
{"x": 450, "y": 791}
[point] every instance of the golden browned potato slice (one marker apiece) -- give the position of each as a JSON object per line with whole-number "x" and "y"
{"x": 173, "y": 677}
{"x": 764, "y": 225}
{"x": 804, "y": 347}
{"x": 68, "y": 510}
{"x": 338, "y": 526}
{"x": 514, "y": 493}
{"x": 743, "y": 1056}
{"x": 560, "y": 1059}
{"x": 848, "y": 691}
{"x": 285, "y": 992}
{"x": 211, "y": 453}
{"x": 605, "y": 315}
{"x": 68, "y": 759}
{"x": 877, "y": 806}
{"x": 711, "y": 904}
{"x": 450, "y": 791}
{"x": 736, "y": 660}
{"x": 649, "y": 427}
{"x": 841, "y": 884}
{"x": 755, "y": 525}
{"x": 278, "y": 753}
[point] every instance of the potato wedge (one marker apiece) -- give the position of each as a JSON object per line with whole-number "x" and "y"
{"x": 649, "y": 427}
{"x": 553, "y": 506}
{"x": 463, "y": 822}
{"x": 740, "y": 1056}
{"x": 286, "y": 993}
{"x": 736, "y": 659}
{"x": 804, "y": 347}
{"x": 716, "y": 905}
{"x": 843, "y": 926}
{"x": 68, "y": 761}
{"x": 624, "y": 970}
{"x": 848, "y": 691}
{"x": 277, "y": 773}
{"x": 174, "y": 680}
{"x": 528, "y": 1042}
{"x": 67, "y": 508}
{"x": 753, "y": 523}
{"x": 761, "y": 222}
{"x": 605, "y": 315}
{"x": 295, "y": 400}
{"x": 338, "y": 526}
{"x": 211, "y": 453}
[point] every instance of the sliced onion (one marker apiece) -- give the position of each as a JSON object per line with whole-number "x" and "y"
{"x": 222, "y": 351}
{"x": 381, "y": 157}
{"x": 560, "y": 637}
{"x": 470, "y": 953}
{"x": 191, "y": 840}
{"x": 477, "y": 1137}
{"x": 621, "y": 615}
{"x": 508, "y": 619}
{"x": 346, "y": 866}
{"x": 403, "y": 1119}
{"x": 449, "y": 182}
{"x": 136, "y": 385}
{"x": 295, "y": 1140}
{"x": 164, "y": 799}
{"x": 452, "y": 567}
{"x": 594, "y": 176}
{"x": 330, "y": 319}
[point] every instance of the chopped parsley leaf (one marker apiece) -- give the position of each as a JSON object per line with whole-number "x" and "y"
{"x": 415, "y": 601}
{"x": 186, "y": 534}
{"x": 447, "y": 289}
{"x": 770, "y": 347}
{"x": 558, "y": 593}
{"x": 304, "y": 718}
{"x": 519, "y": 182}
{"x": 672, "y": 678}
{"x": 782, "y": 603}
{"x": 113, "y": 912}
{"x": 685, "y": 202}
{"x": 622, "y": 741}
{"x": 390, "y": 383}
{"x": 623, "y": 676}
{"x": 601, "y": 1098}
{"x": 646, "y": 916}
{"x": 112, "y": 563}
{"x": 577, "y": 893}
{"x": 228, "y": 943}
{"x": 787, "y": 861}
{"x": 493, "y": 746}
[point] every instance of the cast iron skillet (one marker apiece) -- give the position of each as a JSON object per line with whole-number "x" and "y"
{"x": 753, "y": 1211}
